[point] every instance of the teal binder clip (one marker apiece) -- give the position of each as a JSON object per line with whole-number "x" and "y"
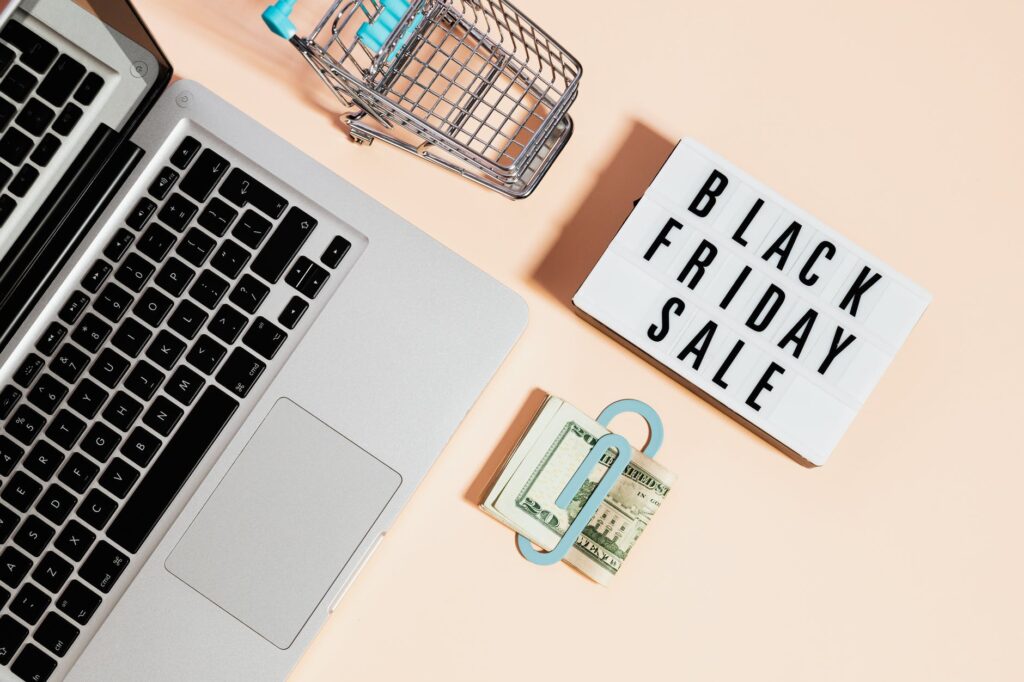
{"x": 604, "y": 444}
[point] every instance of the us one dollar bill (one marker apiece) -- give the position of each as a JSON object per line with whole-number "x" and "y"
{"x": 539, "y": 467}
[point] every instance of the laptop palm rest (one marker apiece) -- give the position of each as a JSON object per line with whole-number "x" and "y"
{"x": 280, "y": 527}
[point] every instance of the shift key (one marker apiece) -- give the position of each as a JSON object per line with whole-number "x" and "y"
{"x": 283, "y": 245}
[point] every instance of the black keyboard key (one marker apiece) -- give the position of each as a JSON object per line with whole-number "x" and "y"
{"x": 227, "y": 324}
{"x": 177, "y": 212}
{"x": 187, "y": 319}
{"x": 336, "y": 250}
{"x": 9, "y": 397}
{"x": 113, "y": 302}
{"x": 5, "y": 175}
{"x": 21, "y": 491}
{"x": 240, "y": 372}
{"x": 7, "y": 110}
{"x": 10, "y": 455}
{"x": 14, "y": 566}
{"x": 165, "y": 349}
{"x": 162, "y": 416}
{"x": 30, "y": 603}
{"x": 249, "y": 293}
{"x": 209, "y": 289}
{"x": 7, "y": 206}
{"x": 163, "y": 183}
{"x": 230, "y": 258}
{"x": 78, "y": 602}
{"x": 7, "y": 58}
{"x": 76, "y": 303}
{"x": 23, "y": 181}
{"x": 184, "y": 385}
{"x": 56, "y": 504}
{"x": 48, "y": 342}
{"x": 251, "y": 229}
{"x": 56, "y": 634}
{"x": 45, "y": 149}
{"x": 109, "y": 367}
{"x": 75, "y": 540}
{"x": 36, "y": 116}
{"x": 67, "y": 119}
{"x": 264, "y": 337}
{"x": 206, "y": 354}
{"x": 135, "y": 272}
{"x": 12, "y": 634}
{"x": 87, "y": 398}
{"x": 78, "y": 473}
{"x": 28, "y": 370}
{"x": 142, "y": 212}
{"x": 196, "y": 247}
{"x": 25, "y": 424}
{"x": 131, "y": 337}
{"x": 172, "y": 468}
{"x": 47, "y": 394}
{"x": 18, "y": 83}
{"x": 65, "y": 429}
{"x": 217, "y": 217}
{"x": 242, "y": 189}
{"x": 89, "y": 88}
{"x": 15, "y": 146}
{"x": 96, "y": 276}
{"x": 100, "y": 441}
{"x": 283, "y": 245}
{"x": 185, "y": 152}
{"x": 208, "y": 169}
{"x": 119, "y": 478}
{"x": 35, "y": 52}
{"x": 153, "y": 307}
{"x": 33, "y": 664}
{"x": 44, "y": 460}
{"x": 140, "y": 446}
{"x": 144, "y": 380}
{"x": 156, "y": 242}
{"x": 34, "y": 535}
{"x": 313, "y": 281}
{"x": 69, "y": 363}
{"x": 96, "y": 509}
{"x": 91, "y": 332}
{"x": 104, "y": 566}
{"x": 61, "y": 81}
{"x": 52, "y": 572}
{"x": 8, "y": 522}
{"x": 174, "y": 277}
{"x": 122, "y": 411}
{"x": 119, "y": 243}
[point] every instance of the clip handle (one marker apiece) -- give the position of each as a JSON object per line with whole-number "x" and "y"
{"x": 277, "y": 18}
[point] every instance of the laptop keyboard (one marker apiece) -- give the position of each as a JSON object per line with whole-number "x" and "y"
{"x": 130, "y": 384}
{"x": 44, "y": 94}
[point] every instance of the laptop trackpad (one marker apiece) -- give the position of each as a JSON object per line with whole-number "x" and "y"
{"x": 272, "y": 539}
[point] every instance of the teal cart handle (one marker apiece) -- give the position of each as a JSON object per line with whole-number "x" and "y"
{"x": 277, "y": 18}
{"x": 603, "y": 445}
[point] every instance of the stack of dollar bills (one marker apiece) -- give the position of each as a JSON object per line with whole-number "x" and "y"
{"x": 539, "y": 467}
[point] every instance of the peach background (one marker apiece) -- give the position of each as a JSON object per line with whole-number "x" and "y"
{"x": 897, "y": 123}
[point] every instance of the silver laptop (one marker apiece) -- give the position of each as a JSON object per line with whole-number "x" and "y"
{"x": 223, "y": 370}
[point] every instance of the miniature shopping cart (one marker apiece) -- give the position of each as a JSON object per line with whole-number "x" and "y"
{"x": 479, "y": 88}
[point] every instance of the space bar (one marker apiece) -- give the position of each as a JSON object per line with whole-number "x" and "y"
{"x": 172, "y": 467}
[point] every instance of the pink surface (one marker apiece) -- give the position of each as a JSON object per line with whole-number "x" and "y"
{"x": 897, "y": 123}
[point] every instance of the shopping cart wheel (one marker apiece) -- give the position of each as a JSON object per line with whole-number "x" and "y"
{"x": 354, "y": 134}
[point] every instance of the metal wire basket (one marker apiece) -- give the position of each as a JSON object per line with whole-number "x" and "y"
{"x": 482, "y": 90}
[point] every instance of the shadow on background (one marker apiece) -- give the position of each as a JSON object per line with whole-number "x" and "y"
{"x": 630, "y": 169}
{"x": 481, "y": 484}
